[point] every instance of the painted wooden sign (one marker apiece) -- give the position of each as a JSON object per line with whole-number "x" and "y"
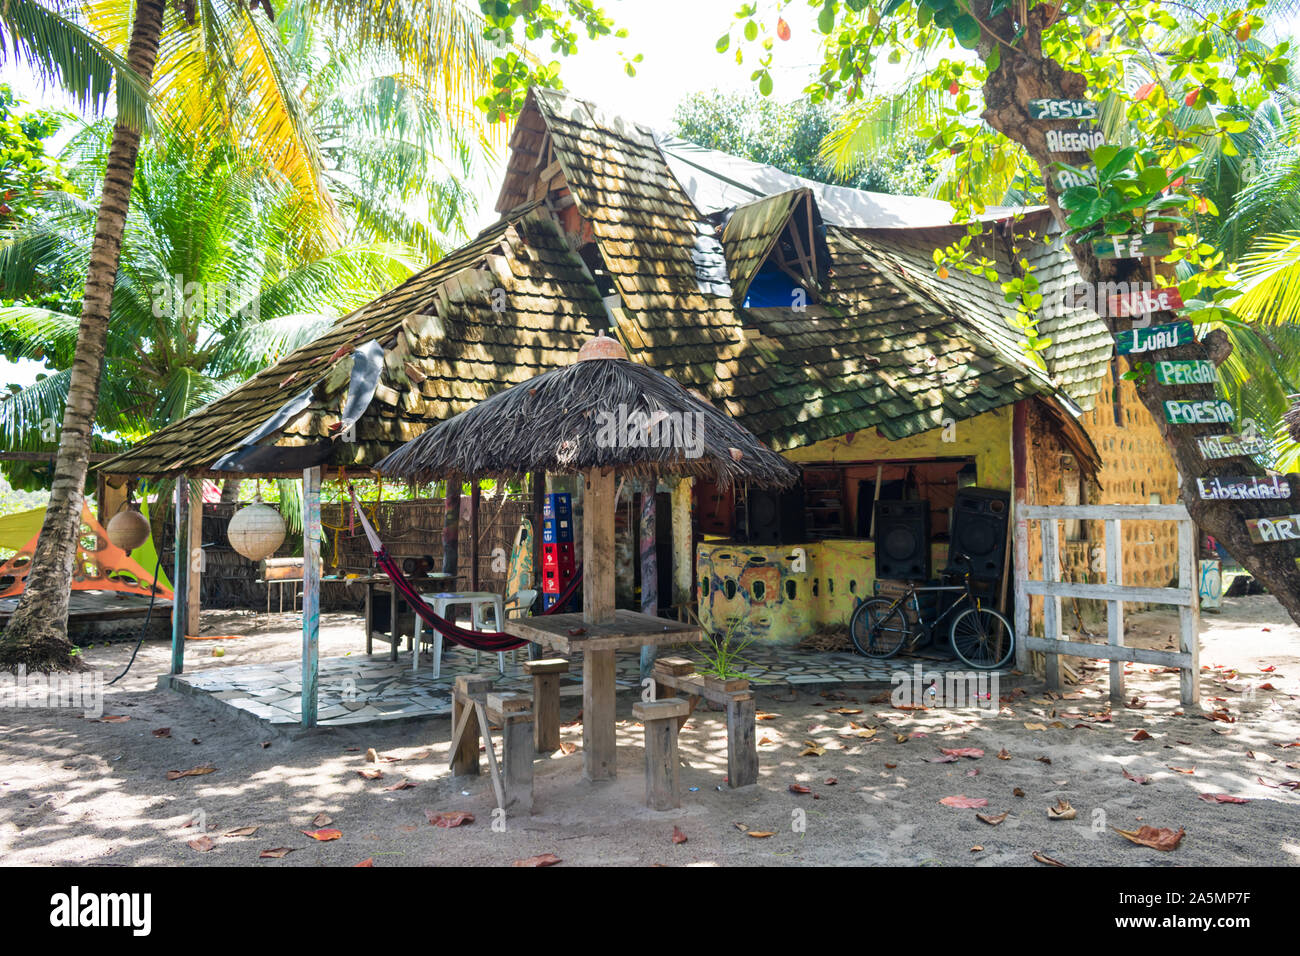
{"x": 1074, "y": 140}
{"x": 1205, "y": 412}
{"x": 1068, "y": 179}
{"x": 1192, "y": 372}
{"x": 1270, "y": 488}
{"x": 1062, "y": 109}
{"x": 1144, "y": 302}
{"x": 1133, "y": 247}
{"x": 1230, "y": 446}
{"x": 1138, "y": 341}
{"x": 1268, "y": 530}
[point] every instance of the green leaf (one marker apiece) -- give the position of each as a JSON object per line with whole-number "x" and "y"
{"x": 967, "y": 30}
{"x": 765, "y": 83}
{"x": 826, "y": 19}
{"x": 724, "y": 41}
{"x": 751, "y": 30}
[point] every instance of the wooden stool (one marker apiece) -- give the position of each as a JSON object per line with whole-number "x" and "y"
{"x": 663, "y": 785}
{"x": 515, "y": 714}
{"x": 465, "y": 724}
{"x": 546, "y": 701}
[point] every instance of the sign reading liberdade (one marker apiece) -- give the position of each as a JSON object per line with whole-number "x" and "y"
{"x": 1230, "y": 446}
{"x": 1207, "y": 412}
{"x": 1272, "y": 488}
{"x": 1137, "y": 341}
{"x": 1193, "y": 372}
{"x": 1268, "y": 530}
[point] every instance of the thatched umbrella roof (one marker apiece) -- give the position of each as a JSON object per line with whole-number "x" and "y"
{"x": 602, "y": 411}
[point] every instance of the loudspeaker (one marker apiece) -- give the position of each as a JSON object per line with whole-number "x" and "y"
{"x": 979, "y": 530}
{"x": 903, "y": 540}
{"x": 774, "y": 517}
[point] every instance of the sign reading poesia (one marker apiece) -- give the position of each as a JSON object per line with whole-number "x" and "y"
{"x": 1137, "y": 341}
{"x": 1062, "y": 109}
{"x": 1207, "y": 412}
{"x": 1271, "y": 488}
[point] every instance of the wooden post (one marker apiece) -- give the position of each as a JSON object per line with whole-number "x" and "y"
{"x": 515, "y": 713}
{"x": 649, "y": 568}
{"x": 1051, "y": 605}
{"x": 1020, "y": 481}
{"x": 195, "y": 548}
{"x": 546, "y": 702}
{"x": 464, "y": 723}
{"x": 475, "y": 496}
{"x": 599, "y": 759}
{"x": 683, "y": 548}
{"x": 451, "y": 529}
{"x": 180, "y": 574}
{"x": 742, "y": 744}
{"x": 663, "y": 785}
{"x": 598, "y": 546}
{"x": 310, "y": 593}
{"x": 1115, "y": 609}
{"x": 535, "y": 651}
{"x": 1189, "y": 617}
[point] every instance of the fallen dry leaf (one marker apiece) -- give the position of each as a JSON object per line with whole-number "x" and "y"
{"x": 368, "y": 861}
{"x": 964, "y": 802}
{"x": 421, "y": 755}
{"x": 991, "y": 819}
{"x": 1017, "y": 792}
{"x": 1062, "y": 811}
{"x": 1135, "y": 778}
{"x": 192, "y": 772}
{"x": 844, "y": 710}
{"x": 943, "y": 758}
{"x": 1154, "y": 837}
{"x": 323, "y": 835}
{"x": 243, "y": 831}
{"x": 567, "y": 748}
{"x": 976, "y": 849}
{"x": 203, "y": 844}
{"x": 1033, "y": 726}
{"x": 277, "y": 854}
{"x": 1044, "y": 759}
{"x": 402, "y": 784}
{"x": 678, "y": 835}
{"x": 370, "y": 774}
{"x": 542, "y": 859}
{"x": 1044, "y": 858}
{"x": 1186, "y": 770}
{"x": 764, "y": 715}
{"x": 450, "y": 818}
{"x": 799, "y": 788}
{"x": 812, "y": 749}
{"x": 322, "y": 820}
{"x": 1003, "y": 755}
{"x": 765, "y": 741}
{"x": 974, "y": 753}
{"x": 758, "y": 834}
{"x": 113, "y": 719}
{"x": 1222, "y": 798}
{"x": 900, "y": 738}
{"x": 371, "y": 755}
{"x": 830, "y": 781}
{"x": 163, "y": 732}
{"x": 1141, "y": 735}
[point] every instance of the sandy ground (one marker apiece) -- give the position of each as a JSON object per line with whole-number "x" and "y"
{"x": 79, "y": 791}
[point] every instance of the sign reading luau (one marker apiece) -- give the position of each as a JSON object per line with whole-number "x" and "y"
{"x": 1230, "y": 446}
{"x": 1206, "y": 412}
{"x": 1137, "y": 341}
{"x": 1193, "y": 372}
{"x": 1062, "y": 109}
{"x": 1144, "y": 302}
{"x": 1271, "y": 488}
{"x": 1266, "y": 530}
{"x": 1074, "y": 140}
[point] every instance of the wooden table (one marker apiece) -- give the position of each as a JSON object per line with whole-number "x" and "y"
{"x": 628, "y": 631}
{"x": 379, "y": 582}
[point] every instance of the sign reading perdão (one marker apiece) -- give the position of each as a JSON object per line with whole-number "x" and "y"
{"x": 1191, "y": 372}
{"x": 1133, "y": 247}
{"x": 1268, "y": 530}
{"x": 1145, "y": 302}
{"x": 1230, "y": 446}
{"x": 1270, "y": 488}
{"x": 1137, "y": 341}
{"x": 1206, "y": 412}
{"x": 1062, "y": 109}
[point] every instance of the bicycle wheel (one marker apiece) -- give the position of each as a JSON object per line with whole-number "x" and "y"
{"x": 878, "y": 629}
{"x": 983, "y": 638}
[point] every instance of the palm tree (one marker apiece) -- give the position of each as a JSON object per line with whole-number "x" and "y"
{"x": 224, "y": 75}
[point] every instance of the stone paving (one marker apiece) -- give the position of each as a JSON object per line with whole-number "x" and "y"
{"x": 359, "y": 690}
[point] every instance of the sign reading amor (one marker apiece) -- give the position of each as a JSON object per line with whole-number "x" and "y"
{"x": 1062, "y": 109}
{"x": 1273, "y": 487}
{"x": 1145, "y": 302}
{"x": 1230, "y": 446}
{"x": 1267, "y": 530}
{"x": 1207, "y": 412}
{"x": 1137, "y": 341}
{"x": 1193, "y": 372}
{"x": 1133, "y": 247}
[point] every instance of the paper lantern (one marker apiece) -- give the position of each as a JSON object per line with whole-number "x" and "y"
{"x": 256, "y": 531}
{"x": 128, "y": 530}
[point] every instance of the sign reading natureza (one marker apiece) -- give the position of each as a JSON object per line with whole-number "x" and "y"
{"x": 1230, "y": 446}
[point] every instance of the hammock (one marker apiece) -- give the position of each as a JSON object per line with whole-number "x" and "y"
{"x": 493, "y": 641}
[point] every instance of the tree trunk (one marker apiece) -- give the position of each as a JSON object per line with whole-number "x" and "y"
{"x": 1024, "y": 74}
{"x": 230, "y": 490}
{"x": 37, "y": 634}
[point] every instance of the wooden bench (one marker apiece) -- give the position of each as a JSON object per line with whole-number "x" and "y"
{"x": 663, "y": 784}
{"x": 474, "y": 708}
{"x": 546, "y": 701}
{"x": 677, "y": 674}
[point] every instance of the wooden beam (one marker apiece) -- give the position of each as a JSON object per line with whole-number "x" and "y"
{"x": 1115, "y": 609}
{"x": 475, "y": 497}
{"x": 1189, "y": 617}
{"x": 598, "y": 546}
{"x": 180, "y": 574}
{"x": 194, "y": 591}
{"x": 1179, "y": 597}
{"x": 311, "y": 528}
{"x": 649, "y": 567}
{"x": 683, "y": 547}
{"x": 1103, "y": 512}
{"x": 1101, "y": 652}
{"x": 451, "y": 528}
{"x": 1052, "y": 604}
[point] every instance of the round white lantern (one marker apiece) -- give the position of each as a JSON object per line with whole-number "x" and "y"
{"x": 128, "y": 529}
{"x": 256, "y": 531}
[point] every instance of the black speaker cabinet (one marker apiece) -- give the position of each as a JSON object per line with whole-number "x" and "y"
{"x": 775, "y": 517}
{"x": 903, "y": 540}
{"x": 979, "y": 531}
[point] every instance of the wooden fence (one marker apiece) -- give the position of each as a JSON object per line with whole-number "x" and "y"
{"x": 1186, "y": 597}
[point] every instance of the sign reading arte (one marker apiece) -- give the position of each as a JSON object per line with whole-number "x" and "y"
{"x": 1272, "y": 488}
{"x": 1137, "y": 341}
{"x": 1193, "y": 372}
{"x": 1267, "y": 530}
{"x": 1062, "y": 109}
{"x": 1230, "y": 446}
{"x": 1133, "y": 247}
{"x": 1207, "y": 412}
{"x": 1145, "y": 302}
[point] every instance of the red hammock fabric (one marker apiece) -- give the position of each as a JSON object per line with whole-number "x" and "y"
{"x": 493, "y": 641}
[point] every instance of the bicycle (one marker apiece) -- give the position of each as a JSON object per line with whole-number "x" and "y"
{"x": 981, "y": 637}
